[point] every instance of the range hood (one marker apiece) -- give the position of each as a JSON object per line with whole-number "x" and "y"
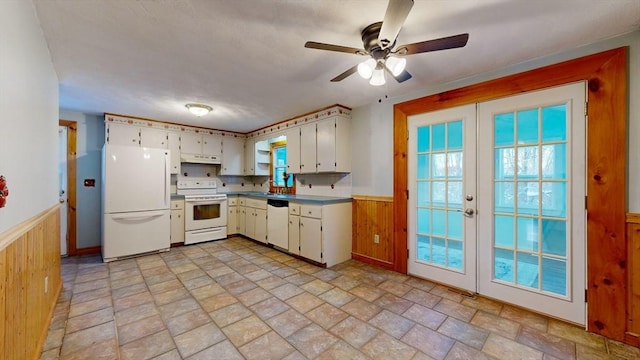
{"x": 200, "y": 158}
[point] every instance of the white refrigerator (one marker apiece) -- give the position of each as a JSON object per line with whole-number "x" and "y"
{"x": 135, "y": 201}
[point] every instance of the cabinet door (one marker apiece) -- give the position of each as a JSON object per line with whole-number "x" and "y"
{"x": 311, "y": 238}
{"x": 177, "y": 226}
{"x": 261, "y": 225}
{"x": 343, "y": 145}
{"x": 191, "y": 143}
{"x": 242, "y": 229}
{"x": 211, "y": 144}
{"x": 118, "y": 134}
{"x": 326, "y": 145}
{"x": 232, "y": 156}
{"x": 249, "y": 156}
{"x": 153, "y": 138}
{"x": 294, "y": 234}
{"x": 308, "y": 148}
{"x": 293, "y": 150}
{"x": 250, "y": 223}
{"x": 232, "y": 220}
{"x": 174, "y": 147}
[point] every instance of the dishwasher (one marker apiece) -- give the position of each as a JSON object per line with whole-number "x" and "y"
{"x": 278, "y": 223}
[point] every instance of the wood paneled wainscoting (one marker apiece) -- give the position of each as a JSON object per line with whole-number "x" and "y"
{"x": 373, "y": 215}
{"x": 633, "y": 304}
{"x": 30, "y": 283}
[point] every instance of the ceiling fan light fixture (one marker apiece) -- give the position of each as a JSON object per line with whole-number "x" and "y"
{"x": 377, "y": 78}
{"x": 365, "y": 68}
{"x": 199, "y": 109}
{"x": 396, "y": 65}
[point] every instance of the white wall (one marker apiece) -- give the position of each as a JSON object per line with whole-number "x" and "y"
{"x": 90, "y": 138}
{"x": 372, "y": 125}
{"x": 28, "y": 115}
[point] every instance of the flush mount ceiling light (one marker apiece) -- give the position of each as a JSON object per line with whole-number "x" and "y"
{"x": 199, "y": 109}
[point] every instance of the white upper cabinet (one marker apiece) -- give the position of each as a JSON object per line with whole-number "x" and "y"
{"x": 249, "y": 156}
{"x": 153, "y": 138}
{"x": 118, "y": 134}
{"x": 232, "y": 156}
{"x": 191, "y": 143}
{"x": 308, "y": 148}
{"x": 293, "y": 150}
{"x": 212, "y": 144}
{"x": 174, "y": 147}
{"x": 325, "y": 146}
{"x": 201, "y": 144}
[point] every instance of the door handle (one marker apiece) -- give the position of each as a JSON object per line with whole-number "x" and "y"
{"x": 469, "y": 211}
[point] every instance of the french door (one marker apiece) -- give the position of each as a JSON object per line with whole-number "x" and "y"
{"x": 441, "y": 214}
{"x": 520, "y": 233}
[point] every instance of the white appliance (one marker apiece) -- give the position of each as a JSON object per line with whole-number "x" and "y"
{"x": 135, "y": 201}
{"x": 205, "y": 211}
{"x": 278, "y": 223}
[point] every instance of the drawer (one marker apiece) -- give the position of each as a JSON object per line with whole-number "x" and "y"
{"x": 177, "y": 204}
{"x": 232, "y": 201}
{"x": 242, "y": 201}
{"x": 312, "y": 211}
{"x": 294, "y": 209}
{"x": 258, "y": 204}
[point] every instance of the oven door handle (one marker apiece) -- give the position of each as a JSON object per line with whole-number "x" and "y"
{"x": 204, "y": 201}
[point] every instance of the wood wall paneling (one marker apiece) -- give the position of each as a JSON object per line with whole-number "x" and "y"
{"x": 29, "y": 253}
{"x": 371, "y": 216}
{"x": 633, "y": 304}
{"x": 606, "y": 73}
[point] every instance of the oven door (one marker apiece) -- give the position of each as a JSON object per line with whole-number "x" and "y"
{"x": 204, "y": 213}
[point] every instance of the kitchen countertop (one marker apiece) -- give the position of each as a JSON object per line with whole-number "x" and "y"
{"x": 177, "y": 197}
{"x": 310, "y": 199}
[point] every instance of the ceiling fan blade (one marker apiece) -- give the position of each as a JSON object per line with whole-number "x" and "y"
{"x": 450, "y": 42}
{"x": 330, "y": 47}
{"x": 345, "y": 74}
{"x": 404, "y": 75}
{"x": 394, "y": 18}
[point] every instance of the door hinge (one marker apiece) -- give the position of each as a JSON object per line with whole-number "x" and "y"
{"x": 321, "y": 256}
{"x": 585, "y": 202}
{"x": 586, "y": 108}
{"x": 407, "y": 253}
{"x": 407, "y": 194}
{"x": 320, "y": 228}
{"x": 585, "y": 295}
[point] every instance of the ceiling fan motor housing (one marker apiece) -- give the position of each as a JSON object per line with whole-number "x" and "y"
{"x": 372, "y": 44}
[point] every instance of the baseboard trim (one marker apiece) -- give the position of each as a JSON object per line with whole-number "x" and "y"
{"x": 372, "y": 261}
{"x": 88, "y": 251}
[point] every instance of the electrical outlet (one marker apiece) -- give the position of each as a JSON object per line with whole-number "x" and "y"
{"x": 46, "y": 284}
{"x": 376, "y": 239}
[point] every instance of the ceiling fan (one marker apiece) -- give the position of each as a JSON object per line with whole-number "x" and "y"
{"x": 379, "y": 40}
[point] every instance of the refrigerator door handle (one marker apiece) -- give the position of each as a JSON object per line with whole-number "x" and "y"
{"x": 138, "y": 216}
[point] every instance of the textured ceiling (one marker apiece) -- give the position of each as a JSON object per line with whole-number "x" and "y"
{"x": 246, "y": 58}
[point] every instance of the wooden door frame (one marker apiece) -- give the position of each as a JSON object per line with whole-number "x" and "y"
{"x": 72, "y": 135}
{"x": 606, "y": 74}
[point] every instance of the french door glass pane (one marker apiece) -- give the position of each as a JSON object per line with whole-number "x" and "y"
{"x": 440, "y": 221}
{"x": 531, "y": 199}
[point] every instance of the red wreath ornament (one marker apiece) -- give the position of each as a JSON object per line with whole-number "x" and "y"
{"x": 4, "y": 191}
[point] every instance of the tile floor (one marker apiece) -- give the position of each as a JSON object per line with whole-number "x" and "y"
{"x": 236, "y": 299}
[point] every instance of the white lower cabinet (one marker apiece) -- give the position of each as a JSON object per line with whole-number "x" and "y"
{"x": 322, "y": 233}
{"x": 177, "y": 221}
{"x": 232, "y": 215}
{"x": 255, "y": 218}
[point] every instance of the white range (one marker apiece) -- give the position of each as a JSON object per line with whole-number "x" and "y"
{"x": 205, "y": 211}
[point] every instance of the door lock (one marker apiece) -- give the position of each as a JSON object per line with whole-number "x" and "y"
{"x": 469, "y": 197}
{"x": 469, "y": 211}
